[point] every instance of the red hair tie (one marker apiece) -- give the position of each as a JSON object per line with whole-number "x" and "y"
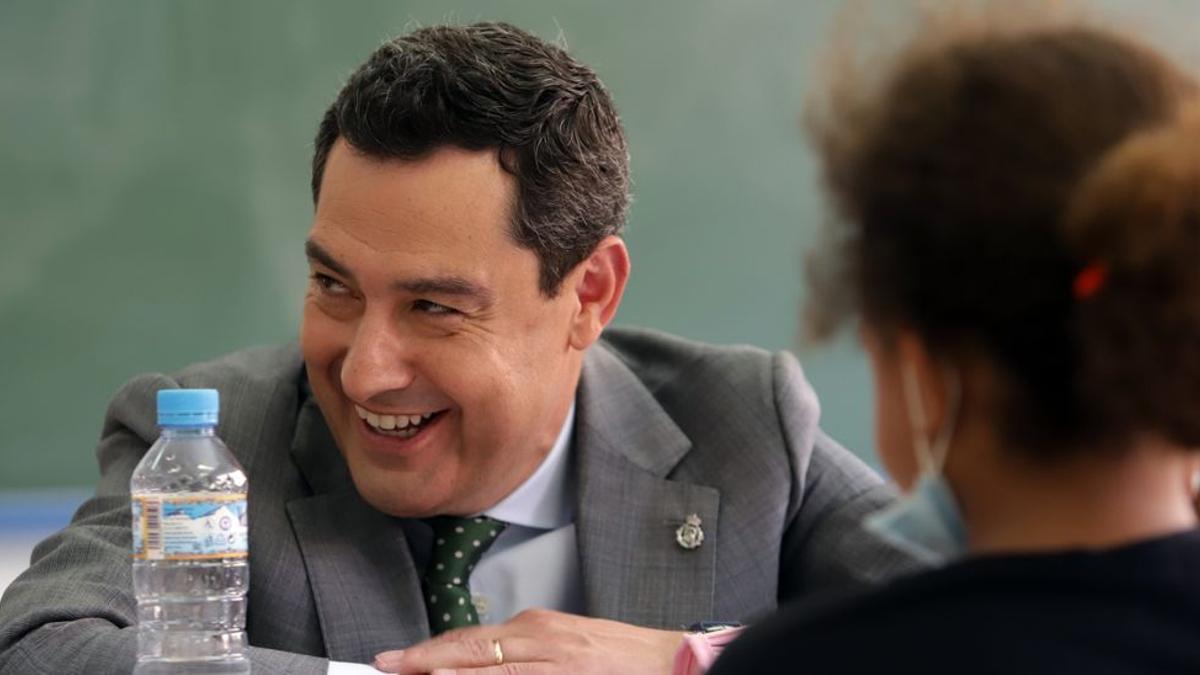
{"x": 1089, "y": 280}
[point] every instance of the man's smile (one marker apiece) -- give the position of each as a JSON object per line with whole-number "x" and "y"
{"x": 398, "y": 425}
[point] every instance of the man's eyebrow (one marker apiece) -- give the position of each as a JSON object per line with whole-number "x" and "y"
{"x": 315, "y": 253}
{"x": 449, "y": 285}
{"x": 445, "y": 285}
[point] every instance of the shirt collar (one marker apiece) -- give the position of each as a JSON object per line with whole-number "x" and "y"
{"x": 545, "y": 500}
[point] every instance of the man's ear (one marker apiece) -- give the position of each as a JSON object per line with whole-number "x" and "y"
{"x": 597, "y": 284}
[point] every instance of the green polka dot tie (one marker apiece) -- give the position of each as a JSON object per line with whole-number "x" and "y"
{"x": 458, "y": 544}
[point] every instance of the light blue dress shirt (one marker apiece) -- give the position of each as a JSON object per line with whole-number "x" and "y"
{"x": 534, "y": 562}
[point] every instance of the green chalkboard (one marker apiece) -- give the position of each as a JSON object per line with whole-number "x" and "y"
{"x": 154, "y": 183}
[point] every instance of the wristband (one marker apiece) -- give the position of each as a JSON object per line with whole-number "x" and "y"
{"x": 702, "y": 645}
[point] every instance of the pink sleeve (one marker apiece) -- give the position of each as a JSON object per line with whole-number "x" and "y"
{"x": 699, "y": 650}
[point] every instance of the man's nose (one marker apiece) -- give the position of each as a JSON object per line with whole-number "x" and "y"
{"x": 378, "y": 360}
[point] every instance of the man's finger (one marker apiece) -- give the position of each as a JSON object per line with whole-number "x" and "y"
{"x": 467, "y": 633}
{"x": 469, "y": 653}
{"x": 391, "y": 661}
{"x": 540, "y": 668}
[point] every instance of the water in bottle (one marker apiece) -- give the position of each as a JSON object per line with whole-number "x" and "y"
{"x": 190, "y": 543}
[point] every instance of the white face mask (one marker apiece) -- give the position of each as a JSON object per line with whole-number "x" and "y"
{"x": 926, "y": 522}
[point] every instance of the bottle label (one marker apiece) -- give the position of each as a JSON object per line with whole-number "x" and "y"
{"x": 200, "y": 526}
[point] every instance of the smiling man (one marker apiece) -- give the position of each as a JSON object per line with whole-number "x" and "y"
{"x": 458, "y": 448}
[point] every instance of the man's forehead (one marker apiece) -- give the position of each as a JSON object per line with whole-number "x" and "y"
{"x": 449, "y": 197}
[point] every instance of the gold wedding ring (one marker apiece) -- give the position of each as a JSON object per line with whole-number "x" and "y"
{"x": 498, "y": 652}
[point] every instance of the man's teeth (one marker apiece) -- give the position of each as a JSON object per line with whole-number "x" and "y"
{"x": 392, "y": 422}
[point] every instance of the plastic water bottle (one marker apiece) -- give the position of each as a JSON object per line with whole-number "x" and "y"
{"x": 190, "y": 543}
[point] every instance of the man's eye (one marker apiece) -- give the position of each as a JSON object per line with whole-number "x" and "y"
{"x": 431, "y": 307}
{"x": 329, "y": 285}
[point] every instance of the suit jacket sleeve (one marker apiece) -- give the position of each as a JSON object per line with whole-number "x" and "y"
{"x": 824, "y": 545}
{"x": 73, "y": 610}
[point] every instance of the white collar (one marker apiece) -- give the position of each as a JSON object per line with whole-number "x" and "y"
{"x": 545, "y": 500}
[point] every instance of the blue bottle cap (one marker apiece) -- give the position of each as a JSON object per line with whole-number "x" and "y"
{"x": 188, "y": 407}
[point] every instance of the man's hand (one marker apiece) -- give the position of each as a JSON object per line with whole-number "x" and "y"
{"x": 540, "y": 641}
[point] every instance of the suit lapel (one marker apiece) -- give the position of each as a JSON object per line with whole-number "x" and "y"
{"x": 633, "y": 568}
{"x": 366, "y": 588}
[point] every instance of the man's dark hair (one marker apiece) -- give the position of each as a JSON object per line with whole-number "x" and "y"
{"x": 492, "y": 85}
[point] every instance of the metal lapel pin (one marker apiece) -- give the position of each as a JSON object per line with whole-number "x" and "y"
{"x": 689, "y": 535}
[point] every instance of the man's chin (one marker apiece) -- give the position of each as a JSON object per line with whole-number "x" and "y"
{"x": 412, "y": 496}
{"x": 397, "y": 499}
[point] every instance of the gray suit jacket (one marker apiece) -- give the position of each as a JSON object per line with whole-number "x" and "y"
{"x": 665, "y": 428}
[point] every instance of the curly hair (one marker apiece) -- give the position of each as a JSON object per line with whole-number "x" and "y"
{"x": 954, "y": 177}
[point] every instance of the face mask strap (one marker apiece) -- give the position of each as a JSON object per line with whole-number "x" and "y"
{"x": 946, "y": 433}
{"x": 931, "y": 456}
